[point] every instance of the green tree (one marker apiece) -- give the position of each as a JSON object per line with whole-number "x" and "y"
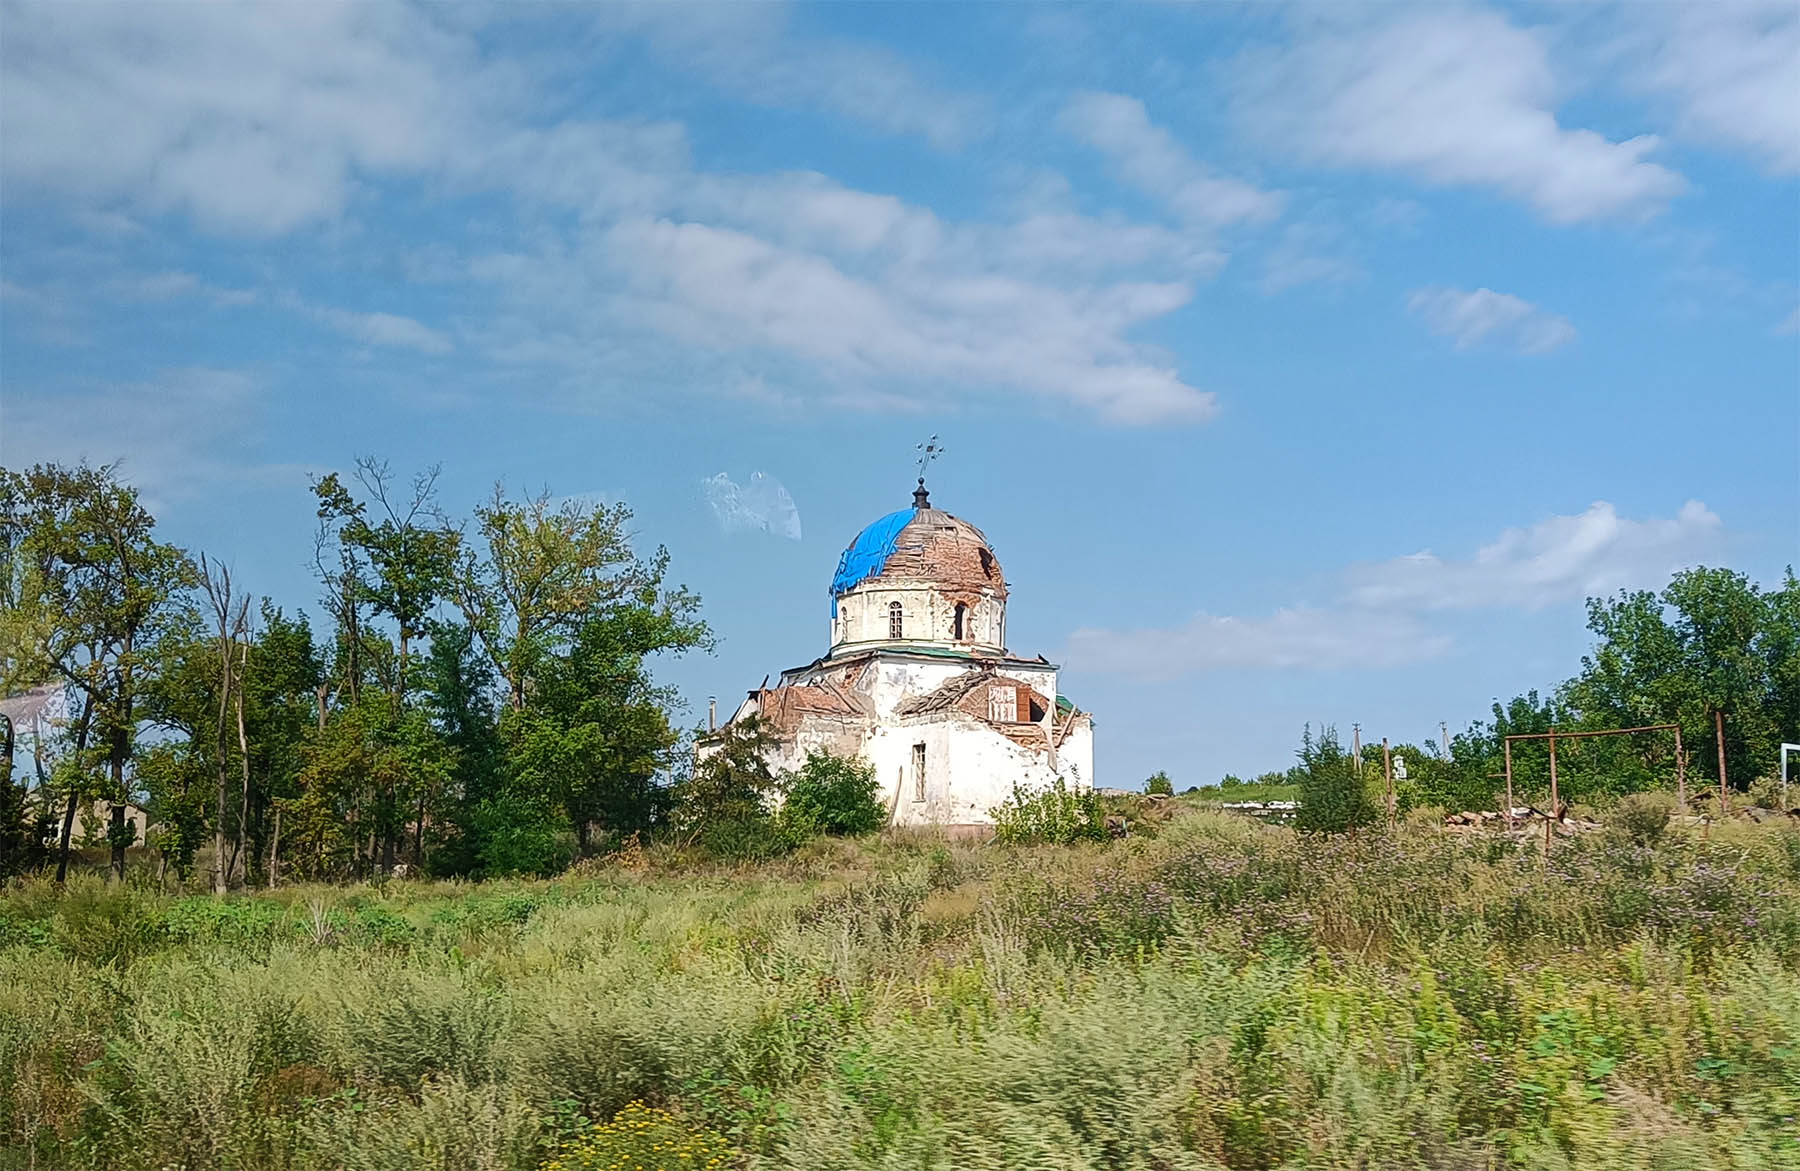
{"x": 1333, "y": 798}
{"x": 397, "y": 556}
{"x": 543, "y": 571}
{"x": 94, "y": 589}
{"x": 594, "y": 733}
{"x": 724, "y": 803}
{"x": 1712, "y": 641}
{"x": 1159, "y": 782}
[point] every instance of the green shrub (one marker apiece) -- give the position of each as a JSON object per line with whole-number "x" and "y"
{"x": 833, "y": 795}
{"x": 1056, "y": 815}
{"x": 521, "y": 835}
{"x": 1159, "y": 783}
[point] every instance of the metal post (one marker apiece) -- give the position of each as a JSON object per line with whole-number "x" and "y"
{"x": 1356, "y": 747}
{"x": 1680, "y": 773}
{"x": 1785, "y": 749}
{"x": 1551, "y": 820}
{"x": 1553, "y": 797}
{"x": 1507, "y": 747}
{"x": 1444, "y": 737}
{"x": 1719, "y": 733}
{"x": 1387, "y": 768}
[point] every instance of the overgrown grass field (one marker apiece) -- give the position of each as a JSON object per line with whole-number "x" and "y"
{"x": 1225, "y": 994}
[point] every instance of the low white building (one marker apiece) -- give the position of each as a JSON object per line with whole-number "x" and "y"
{"x": 918, "y": 680}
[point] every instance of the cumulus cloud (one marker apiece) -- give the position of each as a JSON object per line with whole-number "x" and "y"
{"x": 1455, "y": 96}
{"x": 1562, "y": 559}
{"x": 761, "y": 505}
{"x": 625, "y": 255}
{"x": 253, "y": 119}
{"x": 1730, "y": 68}
{"x": 1149, "y": 158}
{"x": 1381, "y": 616}
{"x": 1470, "y": 318}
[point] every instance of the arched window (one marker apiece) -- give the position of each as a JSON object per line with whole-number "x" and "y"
{"x": 895, "y": 623}
{"x": 956, "y": 622}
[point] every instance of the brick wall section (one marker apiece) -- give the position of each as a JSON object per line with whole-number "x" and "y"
{"x": 1031, "y": 703}
{"x": 938, "y": 548}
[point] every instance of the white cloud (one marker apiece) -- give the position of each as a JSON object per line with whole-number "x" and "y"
{"x": 253, "y": 119}
{"x": 748, "y": 50}
{"x": 1562, "y": 559}
{"x": 1308, "y": 253}
{"x": 761, "y": 505}
{"x": 167, "y": 433}
{"x": 1732, "y": 70}
{"x": 624, "y": 256}
{"x": 1149, "y": 158}
{"x": 1454, "y": 96}
{"x": 1295, "y": 639}
{"x": 384, "y": 329}
{"x": 1379, "y": 619}
{"x": 1470, "y": 318}
{"x": 858, "y": 297}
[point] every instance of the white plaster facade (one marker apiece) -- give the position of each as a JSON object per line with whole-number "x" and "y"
{"x": 918, "y": 681}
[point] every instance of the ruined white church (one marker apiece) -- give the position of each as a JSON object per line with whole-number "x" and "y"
{"x": 919, "y": 683}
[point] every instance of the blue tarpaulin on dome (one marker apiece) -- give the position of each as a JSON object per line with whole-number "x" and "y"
{"x": 868, "y": 553}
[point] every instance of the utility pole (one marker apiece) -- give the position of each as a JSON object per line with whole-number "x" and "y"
{"x": 1444, "y": 737}
{"x": 1356, "y": 747}
{"x": 1387, "y": 767}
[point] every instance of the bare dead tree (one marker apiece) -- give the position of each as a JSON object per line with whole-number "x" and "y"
{"x": 231, "y": 616}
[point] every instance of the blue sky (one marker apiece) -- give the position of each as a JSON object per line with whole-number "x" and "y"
{"x": 1303, "y": 363}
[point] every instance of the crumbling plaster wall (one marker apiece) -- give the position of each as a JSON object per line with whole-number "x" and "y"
{"x": 969, "y": 769}
{"x": 928, "y": 614}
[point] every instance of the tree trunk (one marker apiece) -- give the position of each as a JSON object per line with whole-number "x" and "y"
{"x": 68, "y": 825}
{"x": 116, "y": 831}
{"x": 220, "y": 874}
{"x": 275, "y": 850}
{"x": 244, "y": 756}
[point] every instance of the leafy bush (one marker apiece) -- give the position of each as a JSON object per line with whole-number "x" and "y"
{"x": 833, "y": 795}
{"x": 1159, "y": 783}
{"x": 1333, "y": 798}
{"x": 642, "y": 1139}
{"x": 1057, "y": 815}
{"x": 1642, "y": 817}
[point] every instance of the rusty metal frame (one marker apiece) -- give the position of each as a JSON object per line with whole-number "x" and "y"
{"x": 1553, "y": 736}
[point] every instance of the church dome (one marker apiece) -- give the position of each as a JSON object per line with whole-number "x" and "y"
{"x": 919, "y": 575}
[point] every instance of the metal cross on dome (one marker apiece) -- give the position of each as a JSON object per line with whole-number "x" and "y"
{"x": 928, "y": 451}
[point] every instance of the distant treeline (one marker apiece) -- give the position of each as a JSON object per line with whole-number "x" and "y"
{"x": 1711, "y": 650}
